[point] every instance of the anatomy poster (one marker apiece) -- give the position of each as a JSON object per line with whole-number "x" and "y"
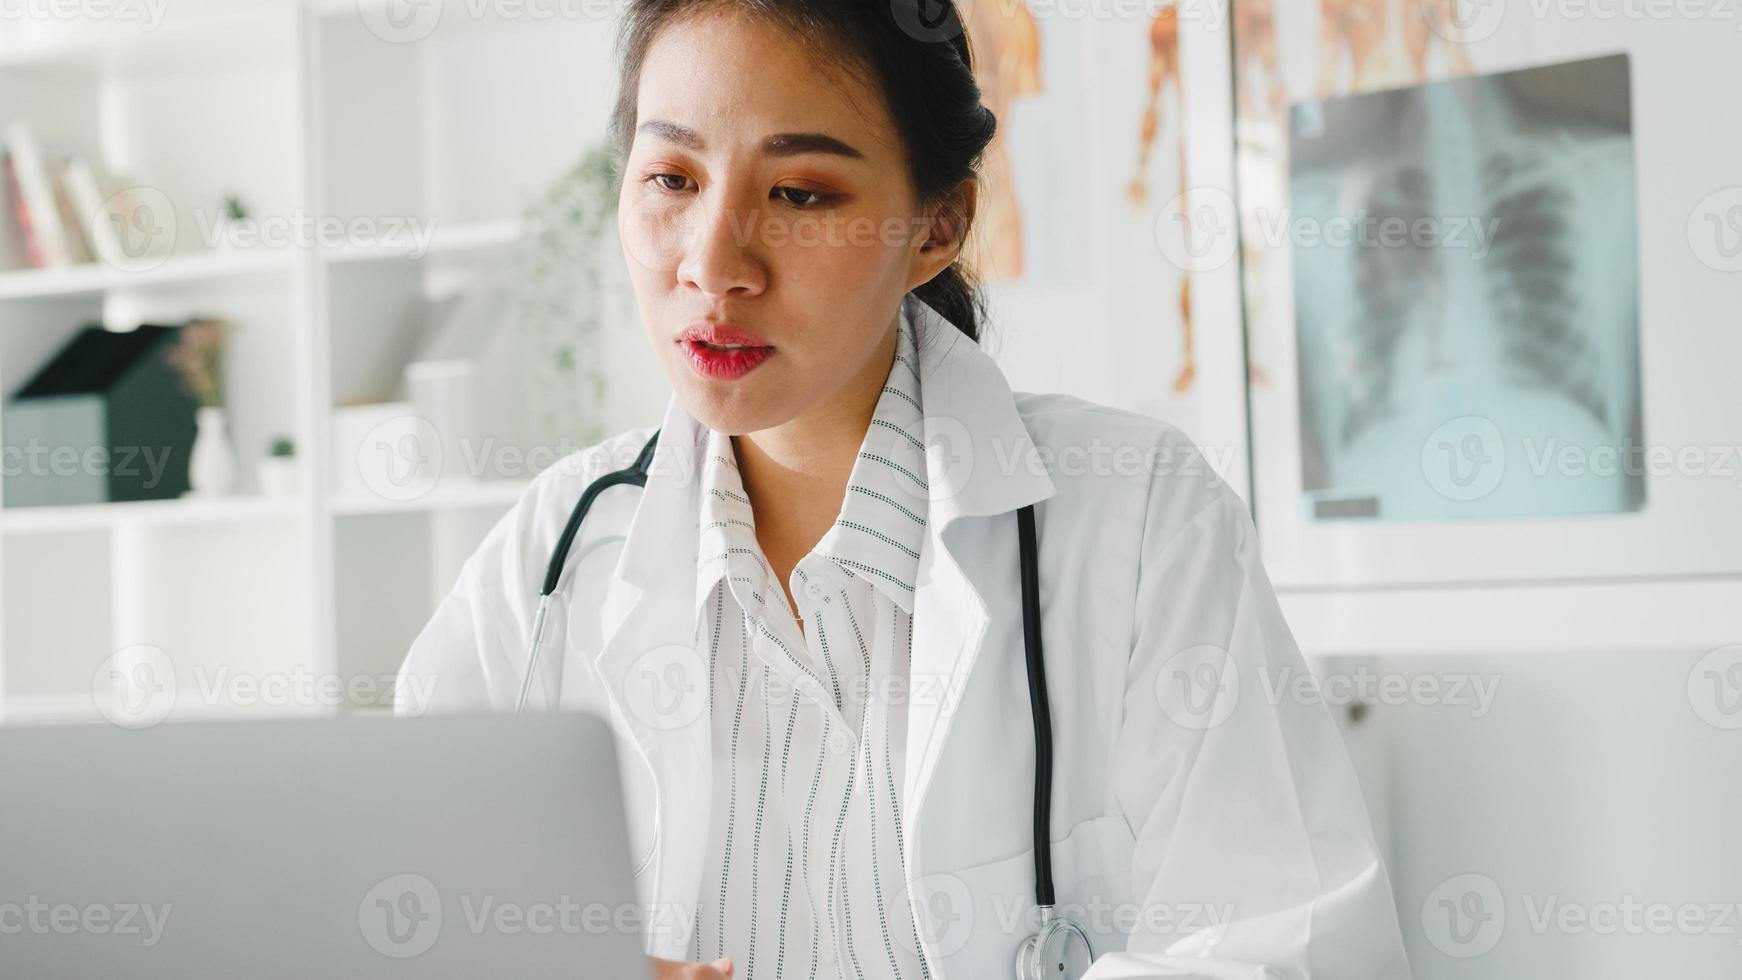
{"x": 1473, "y": 290}
{"x": 1115, "y": 131}
{"x": 1031, "y": 76}
{"x": 1160, "y": 90}
{"x": 1158, "y": 174}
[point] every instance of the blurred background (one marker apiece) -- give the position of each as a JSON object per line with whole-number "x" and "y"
{"x": 296, "y": 296}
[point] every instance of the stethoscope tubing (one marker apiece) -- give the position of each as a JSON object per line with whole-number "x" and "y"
{"x": 634, "y": 474}
{"x": 1040, "y": 710}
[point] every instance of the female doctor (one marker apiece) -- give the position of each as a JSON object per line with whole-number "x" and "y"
{"x": 808, "y": 627}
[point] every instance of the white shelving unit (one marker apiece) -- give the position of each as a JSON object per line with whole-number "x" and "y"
{"x": 307, "y": 110}
{"x": 95, "y": 279}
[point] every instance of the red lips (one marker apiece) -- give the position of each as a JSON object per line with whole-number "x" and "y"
{"x": 721, "y": 351}
{"x": 720, "y": 335}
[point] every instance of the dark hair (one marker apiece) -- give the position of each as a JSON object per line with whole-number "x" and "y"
{"x": 921, "y": 64}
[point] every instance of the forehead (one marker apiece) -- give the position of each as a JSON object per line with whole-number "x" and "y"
{"x": 735, "y": 77}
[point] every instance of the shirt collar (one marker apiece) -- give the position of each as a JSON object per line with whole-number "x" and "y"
{"x": 971, "y": 415}
{"x": 881, "y": 525}
{"x": 726, "y": 528}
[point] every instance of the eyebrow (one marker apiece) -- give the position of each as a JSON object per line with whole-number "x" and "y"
{"x": 778, "y": 145}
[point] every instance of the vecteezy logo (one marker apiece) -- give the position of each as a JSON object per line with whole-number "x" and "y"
{"x": 1198, "y": 687}
{"x": 667, "y": 687}
{"x": 135, "y": 686}
{"x": 926, "y": 20}
{"x": 943, "y": 913}
{"x": 1465, "y": 458}
{"x": 401, "y": 459}
{"x": 1464, "y": 916}
{"x": 134, "y": 230}
{"x": 1196, "y": 230}
{"x": 1715, "y": 230}
{"x": 1463, "y": 21}
{"x": 657, "y": 235}
{"x": 401, "y": 916}
{"x": 1715, "y": 687}
{"x": 949, "y": 453}
{"x": 400, "y": 21}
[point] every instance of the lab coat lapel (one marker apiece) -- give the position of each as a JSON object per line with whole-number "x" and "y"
{"x": 980, "y": 463}
{"x": 656, "y": 680}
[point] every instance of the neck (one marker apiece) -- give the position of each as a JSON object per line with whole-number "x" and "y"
{"x": 796, "y": 473}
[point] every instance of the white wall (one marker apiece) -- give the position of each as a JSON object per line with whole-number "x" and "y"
{"x": 1593, "y": 797}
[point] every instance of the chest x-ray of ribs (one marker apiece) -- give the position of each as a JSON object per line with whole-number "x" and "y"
{"x": 1502, "y": 293}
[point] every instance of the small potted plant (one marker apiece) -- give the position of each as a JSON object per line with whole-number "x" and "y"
{"x": 232, "y": 217}
{"x": 278, "y": 469}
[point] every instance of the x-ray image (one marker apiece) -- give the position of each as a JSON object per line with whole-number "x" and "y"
{"x": 1466, "y": 297}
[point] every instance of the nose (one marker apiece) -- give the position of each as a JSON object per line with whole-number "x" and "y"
{"x": 722, "y": 256}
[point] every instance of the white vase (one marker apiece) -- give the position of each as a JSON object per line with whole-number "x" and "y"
{"x": 212, "y": 465}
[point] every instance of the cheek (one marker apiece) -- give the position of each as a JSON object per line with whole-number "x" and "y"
{"x": 841, "y": 252}
{"x": 653, "y": 234}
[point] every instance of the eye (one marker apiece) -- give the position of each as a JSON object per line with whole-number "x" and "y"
{"x": 818, "y": 199}
{"x": 659, "y": 181}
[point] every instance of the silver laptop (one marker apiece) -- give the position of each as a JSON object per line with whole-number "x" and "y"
{"x": 461, "y": 846}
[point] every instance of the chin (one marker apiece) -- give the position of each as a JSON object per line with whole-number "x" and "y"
{"x": 716, "y": 407}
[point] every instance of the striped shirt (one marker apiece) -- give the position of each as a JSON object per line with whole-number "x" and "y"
{"x": 804, "y": 875}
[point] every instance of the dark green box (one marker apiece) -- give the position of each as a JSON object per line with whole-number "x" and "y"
{"x": 105, "y": 420}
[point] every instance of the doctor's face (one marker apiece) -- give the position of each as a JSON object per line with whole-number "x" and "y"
{"x": 769, "y": 224}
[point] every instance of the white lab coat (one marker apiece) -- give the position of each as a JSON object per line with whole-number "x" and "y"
{"x": 1194, "y": 837}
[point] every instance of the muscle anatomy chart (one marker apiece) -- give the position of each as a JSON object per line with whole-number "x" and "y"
{"x": 1164, "y": 71}
{"x": 1366, "y": 45}
{"x": 1006, "y": 45}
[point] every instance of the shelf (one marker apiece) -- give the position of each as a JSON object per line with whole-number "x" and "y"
{"x": 196, "y": 33}
{"x": 473, "y": 236}
{"x": 455, "y": 496}
{"x": 180, "y": 511}
{"x": 49, "y": 709}
{"x": 75, "y": 709}
{"x": 96, "y": 277}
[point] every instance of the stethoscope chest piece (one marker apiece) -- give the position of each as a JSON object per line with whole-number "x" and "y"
{"x": 1059, "y": 951}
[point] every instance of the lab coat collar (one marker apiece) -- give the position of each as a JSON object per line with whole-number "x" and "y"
{"x": 980, "y": 462}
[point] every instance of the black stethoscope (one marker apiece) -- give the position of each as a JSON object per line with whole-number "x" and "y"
{"x": 1061, "y": 948}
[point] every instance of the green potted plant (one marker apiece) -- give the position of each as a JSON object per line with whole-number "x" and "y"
{"x": 280, "y": 476}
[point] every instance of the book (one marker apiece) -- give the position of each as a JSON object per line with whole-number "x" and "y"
{"x": 72, "y": 223}
{"x": 12, "y": 255}
{"x": 38, "y": 216}
{"x": 88, "y": 202}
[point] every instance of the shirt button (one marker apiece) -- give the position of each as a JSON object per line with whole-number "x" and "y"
{"x": 814, "y": 588}
{"x": 839, "y": 743}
